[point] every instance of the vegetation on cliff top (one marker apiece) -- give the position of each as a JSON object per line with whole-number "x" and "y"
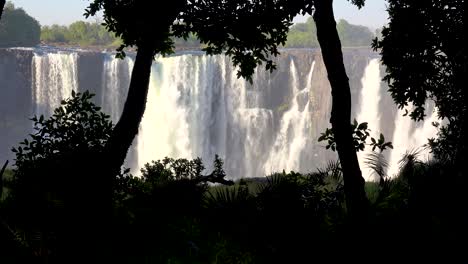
{"x": 304, "y": 35}
{"x": 17, "y": 28}
{"x": 301, "y": 35}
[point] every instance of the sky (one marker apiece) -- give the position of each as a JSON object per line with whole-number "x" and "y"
{"x": 64, "y": 12}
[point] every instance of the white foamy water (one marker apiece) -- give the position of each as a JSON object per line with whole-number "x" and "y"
{"x": 406, "y": 138}
{"x": 197, "y": 107}
{"x": 293, "y": 136}
{"x": 369, "y": 110}
{"x": 55, "y": 76}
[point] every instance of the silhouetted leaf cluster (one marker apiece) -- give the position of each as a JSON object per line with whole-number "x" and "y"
{"x": 360, "y": 134}
{"x": 248, "y": 31}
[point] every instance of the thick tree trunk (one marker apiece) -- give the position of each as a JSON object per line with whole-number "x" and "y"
{"x": 127, "y": 127}
{"x": 2, "y": 5}
{"x": 461, "y": 158}
{"x": 108, "y": 164}
{"x": 330, "y": 45}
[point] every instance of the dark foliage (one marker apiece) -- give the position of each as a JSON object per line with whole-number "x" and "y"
{"x": 248, "y": 31}
{"x": 424, "y": 51}
{"x": 421, "y": 207}
{"x": 171, "y": 214}
{"x": 50, "y": 189}
{"x": 167, "y": 216}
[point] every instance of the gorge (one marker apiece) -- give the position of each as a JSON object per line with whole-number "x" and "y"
{"x": 197, "y": 107}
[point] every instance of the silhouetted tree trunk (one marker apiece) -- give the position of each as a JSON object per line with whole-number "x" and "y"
{"x": 2, "y": 5}
{"x": 462, "y": 155}
{"x": 1, "y": 178}
{"x": 109, "y": 163}
{"x": 127, "y": 127}
{"x": 330, "y": 44}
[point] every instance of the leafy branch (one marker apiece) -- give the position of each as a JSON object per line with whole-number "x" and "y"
{"x": 361, "y": 133}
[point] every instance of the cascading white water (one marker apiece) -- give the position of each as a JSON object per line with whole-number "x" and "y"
{"x": 409, "y": 139}
{"x": 197, "y": 107}
{"x": 55, "y": 76}
{"x": 164, "y": 129}
{"x": 400, "y": 141}
{"x": 116, "y": 79}
{"x": 427, "y": 130}
{"x": 293, "y": 136}
{"x": 192, "y": 101}
{"x": 369, "y": 110}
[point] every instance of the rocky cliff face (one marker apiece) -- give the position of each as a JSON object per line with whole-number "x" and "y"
{"x": 15, "y": 98}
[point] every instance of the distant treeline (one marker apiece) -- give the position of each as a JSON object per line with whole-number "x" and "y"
{"x": 301, "y": 35}
{"x": 17, "y": 28}
{"x": 79, "y": 33}
{"x": 93, "y": 34}
{"x": 304, "y": 35}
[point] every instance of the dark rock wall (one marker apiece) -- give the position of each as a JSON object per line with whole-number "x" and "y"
{"x": 15, "y": 99}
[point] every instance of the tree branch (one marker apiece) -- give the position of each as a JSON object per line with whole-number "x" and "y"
{"x": 214, "y": 179}
{"x": 2, "y": 6}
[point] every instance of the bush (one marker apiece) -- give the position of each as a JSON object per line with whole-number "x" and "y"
{"x": 51, "y": 186}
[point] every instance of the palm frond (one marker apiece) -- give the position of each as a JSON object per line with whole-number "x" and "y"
{"x": 17, "y": 236}
{"x": 411, "y": 157}
{"x": 377, "y": 163}
{"x": 408, "y": 163}
{"x": 227, "y": 197}
{"x": 332, "y": 171}
{"x": 273, "y": 180}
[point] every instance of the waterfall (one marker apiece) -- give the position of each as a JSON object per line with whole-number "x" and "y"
{"x": 369, "y": 110}
{"x": 292, "y": 139}
{"x": 164, "y": 130}
{"x": 192, "y": 101}
{"x": 116, "y": 79}
{"x": 54, "y": 79}
{"x": 198, "y": 107}
{"x": 406, "y": 138}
